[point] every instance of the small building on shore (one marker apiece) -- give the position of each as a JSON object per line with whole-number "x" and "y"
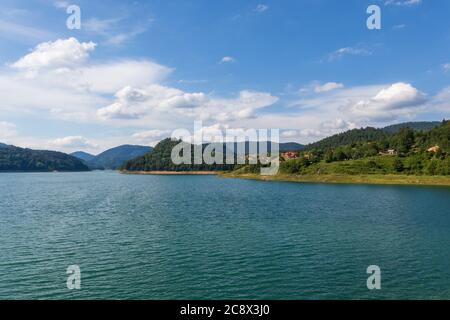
{"x": 389, "y": 152}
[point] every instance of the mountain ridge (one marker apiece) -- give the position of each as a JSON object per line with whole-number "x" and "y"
{"x": 16, "y": 159}
{"x": 112, "y": 158}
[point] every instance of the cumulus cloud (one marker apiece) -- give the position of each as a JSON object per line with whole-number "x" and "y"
{"x": 135, "y": 103}
{"x": 57, "y": 77}
{"x": 58, "y": 54}
{"x": 290, "y": 133}
{"x": 150, "y": 137}
{"x": 329, "y": 86}
{"x": 72, "y": 142}
{"x": 315, "y": 116}
{"x": 399, "y": 99}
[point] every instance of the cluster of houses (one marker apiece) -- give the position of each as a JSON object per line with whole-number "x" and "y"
{"x": 289, "y": 155}
{"x": 393, "y": 152}
{"x": 390, "y": 152}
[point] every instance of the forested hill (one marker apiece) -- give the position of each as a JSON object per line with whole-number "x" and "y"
{"x": 159, "y": 159}
{"x": 416, "y": 126}
{"x": 18, "y": 159}
{"x": 348, "y": 138}
{"x": 370, "y": 134}
{"x": 408, "y": 151}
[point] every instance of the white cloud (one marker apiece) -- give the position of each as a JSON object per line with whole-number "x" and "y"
{"x": 58, "y": 54}
{"x": 63, "y": 83}
{"x": 407, "y": 3}
{"x": 136, "y": 103}
{"x": 261, "y": 8}
{"x": 315, "y": 116}
{"x": 61, "y": 4}
{"x": 399, "y": 99}
{"x": 104, "y": 78}
{"x": 227, "y": 59}
{"x": 151, "y": 137}
{"x": 151, "y": 134}
{"x": 441, "y": 101}
{"x": 219, "y": 133}
{"x": 353, "y": 51}
{"x": 72, "y": 142}
{"x": 329, "y": 86}
{"x": 290, "y": 134}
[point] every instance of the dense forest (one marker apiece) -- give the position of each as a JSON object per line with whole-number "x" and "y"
{"x": 159, "y": 159}
{"x": 18, "y": 159}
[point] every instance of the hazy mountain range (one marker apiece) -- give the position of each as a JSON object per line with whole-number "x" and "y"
{"x": 113, "y": 158}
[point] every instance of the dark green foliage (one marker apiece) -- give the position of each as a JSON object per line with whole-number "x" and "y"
{"x": 403, "y": 140}
{"x": 398, "y": 165}
{"x": 351, "y": 137}
{"x": 19, "y": 159}
{"x": 159, "y": 159}
{"x": 371, "y": 152}
{"x": 416, "y": 126}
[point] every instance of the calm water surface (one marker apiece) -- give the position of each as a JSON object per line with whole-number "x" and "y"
{"x": 203, "y": 237}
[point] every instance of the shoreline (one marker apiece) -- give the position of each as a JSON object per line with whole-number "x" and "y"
{"x": 170, "y": 172}
{"x": 349, "y": 179}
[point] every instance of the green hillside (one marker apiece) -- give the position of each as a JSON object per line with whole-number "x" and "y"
{"x": 18, "y": 159}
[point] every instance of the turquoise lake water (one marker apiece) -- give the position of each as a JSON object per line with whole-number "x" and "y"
{"x": 204, "y": 237}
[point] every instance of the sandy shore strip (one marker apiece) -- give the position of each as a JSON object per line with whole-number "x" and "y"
{"x": 172, "y": 172}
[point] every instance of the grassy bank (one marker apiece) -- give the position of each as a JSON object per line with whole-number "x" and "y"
{"x": 349, "y": 179}
{"x": 170, "y": 172}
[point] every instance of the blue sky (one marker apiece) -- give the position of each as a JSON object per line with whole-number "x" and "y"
{"x": 137, "y": 70}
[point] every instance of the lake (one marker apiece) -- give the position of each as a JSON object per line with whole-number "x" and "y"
{"x": 205, "y": 237}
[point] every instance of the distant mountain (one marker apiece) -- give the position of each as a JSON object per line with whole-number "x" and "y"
{"x": 416, "y": 126}
{"x": 86, "y": 157}
{"x": 18, "y": 159}
{"x": 113, "y": 158}
{"x": 348, "y": 138}
{"x": 291, "y": 146}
